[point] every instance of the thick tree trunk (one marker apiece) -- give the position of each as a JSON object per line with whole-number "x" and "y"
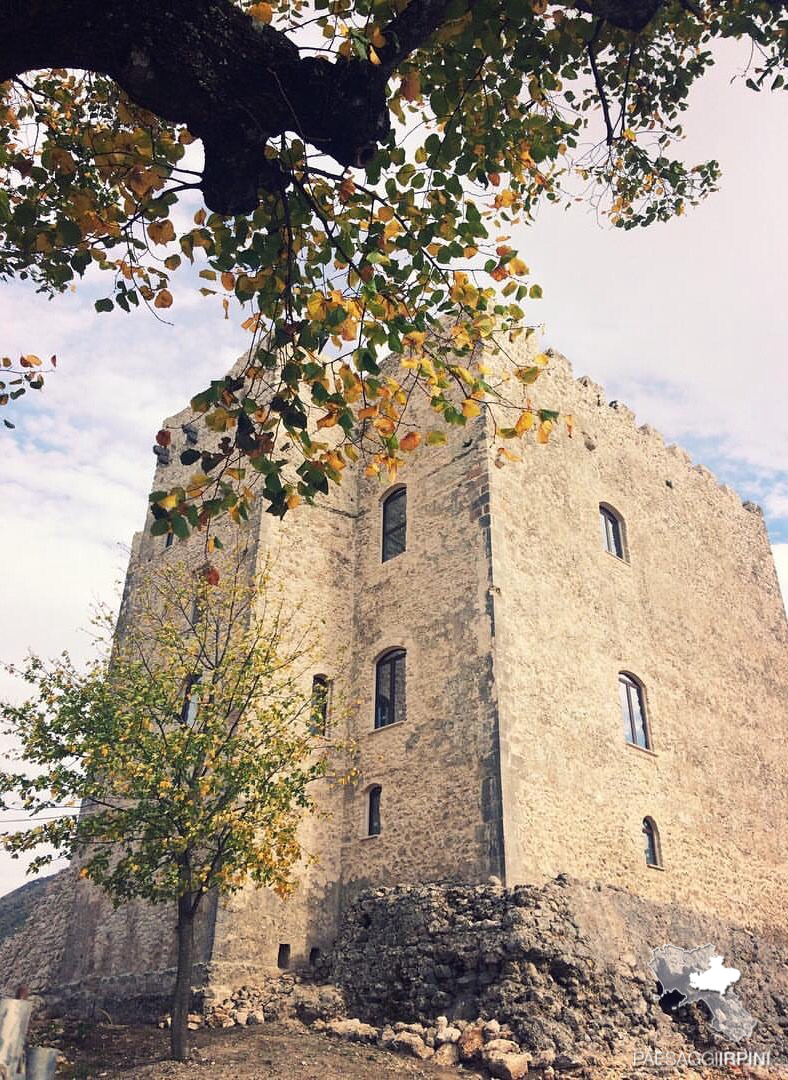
{"x": 233, "y": 81}
{"x": 181, "y": 998}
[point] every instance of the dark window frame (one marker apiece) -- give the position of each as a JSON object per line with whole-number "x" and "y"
{"x": 652, "y": 848}
{"x": 386, "y": 680}
{"x": 374, "y": 794}
{"x": 634, "y": 688}
{"x": 613, "y": 533}
{"x": 394, "y": 537}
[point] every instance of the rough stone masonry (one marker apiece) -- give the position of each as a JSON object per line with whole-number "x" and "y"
{"x": 516, "y": 623}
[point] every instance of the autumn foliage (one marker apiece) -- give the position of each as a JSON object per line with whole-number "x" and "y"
{"x": 363, "y": 166}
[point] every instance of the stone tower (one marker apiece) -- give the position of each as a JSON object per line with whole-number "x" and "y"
{"x": 573, "y": 648}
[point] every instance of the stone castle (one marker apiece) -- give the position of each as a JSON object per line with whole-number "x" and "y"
{"x": 572, "y": 664}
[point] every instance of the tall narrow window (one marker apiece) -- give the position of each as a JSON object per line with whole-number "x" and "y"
{"x": 612, "y": 531}
{"x": 169, "y": 540}
{"x": 318, "y": 717}
{"x": 633, "y": 711}
{"x": 390, "y": 688}
{"x": 373, "y": 812}
{"x": 191, "y": 700}
{"x": 651, "y": 843}
{"x": 394, "y": 521}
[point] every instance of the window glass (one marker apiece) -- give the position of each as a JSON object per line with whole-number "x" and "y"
{"x": 650, "y": 842}
{"x": 633, "y": 713}
{"x": 394, "y": 521}
{"x": 373, "y": 821}
{"x": 191, "y": 701}
{"x": 319, "y": 707}
{"x": 611, "y": 532}
{"x": 390, "y": 688}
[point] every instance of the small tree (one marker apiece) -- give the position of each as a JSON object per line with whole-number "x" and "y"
{"x": 188, "y": 742}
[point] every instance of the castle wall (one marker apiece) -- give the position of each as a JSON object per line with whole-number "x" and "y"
{"x": 694, "y": 612}
{"x": 440, "y": 813}
{"x": 311, "y": 551}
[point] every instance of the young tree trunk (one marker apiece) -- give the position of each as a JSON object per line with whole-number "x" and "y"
{"x": 181, "y": 998}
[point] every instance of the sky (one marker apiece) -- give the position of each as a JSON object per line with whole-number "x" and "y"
{"x": 683, "y": 322}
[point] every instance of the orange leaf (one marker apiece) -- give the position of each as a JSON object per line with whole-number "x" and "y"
{"x": 264, "y": 12}
{"x": 410, "y": 442}
{"x": 410, "y": 87}
{"x": 163, "y": 299}
{"x": 161, "y": 232}
{"x": 228, "y": 280}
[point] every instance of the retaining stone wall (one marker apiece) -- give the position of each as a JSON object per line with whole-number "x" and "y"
{"x": 563, "y": 964}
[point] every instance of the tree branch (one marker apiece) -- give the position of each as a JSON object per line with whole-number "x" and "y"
{"x": 233, "y": 81}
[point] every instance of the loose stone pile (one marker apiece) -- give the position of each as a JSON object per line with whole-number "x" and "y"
{"x": 485, "y": 1043}
{"x": 481, "y": 1043}
{"x": 280, "y": 997}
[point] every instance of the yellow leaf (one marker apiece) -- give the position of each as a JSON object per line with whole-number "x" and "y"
{"x": 373, "y": 57}
{"x": 470, "y": 408}
{"x": 524, "y": 422}
{"x": 163, "y": 299}
{"x": 169, "y": 502}
{"x": 292, "y": 500}
{"x": 264, "y": 12}
{"x": 629, "y": 135}
{"x": 410, "y": 442}
{"x": 316, "y": 305}
{"x": 517, "y": 266}
{"x": 415, "y": 337}
{"x": 329, "y": 420}
{"x": 543, "y": 434}
{"x": 570, "y": 424}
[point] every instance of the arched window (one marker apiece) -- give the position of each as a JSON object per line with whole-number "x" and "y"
{"x": 191, "y": 699}
{"x": 651, "y": 846}
{"x": 373, "y": 810}
{"x": 394, "y": 519}
{"x": 612, "y": 526}
{"x": 633, "y": 710}
{"x": 390, "y": 688}
{"x": 318, "y": 717}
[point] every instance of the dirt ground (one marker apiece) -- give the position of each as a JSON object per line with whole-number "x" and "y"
{"x": 139, "y": 1052}
{"x": 278, "y": 1051}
